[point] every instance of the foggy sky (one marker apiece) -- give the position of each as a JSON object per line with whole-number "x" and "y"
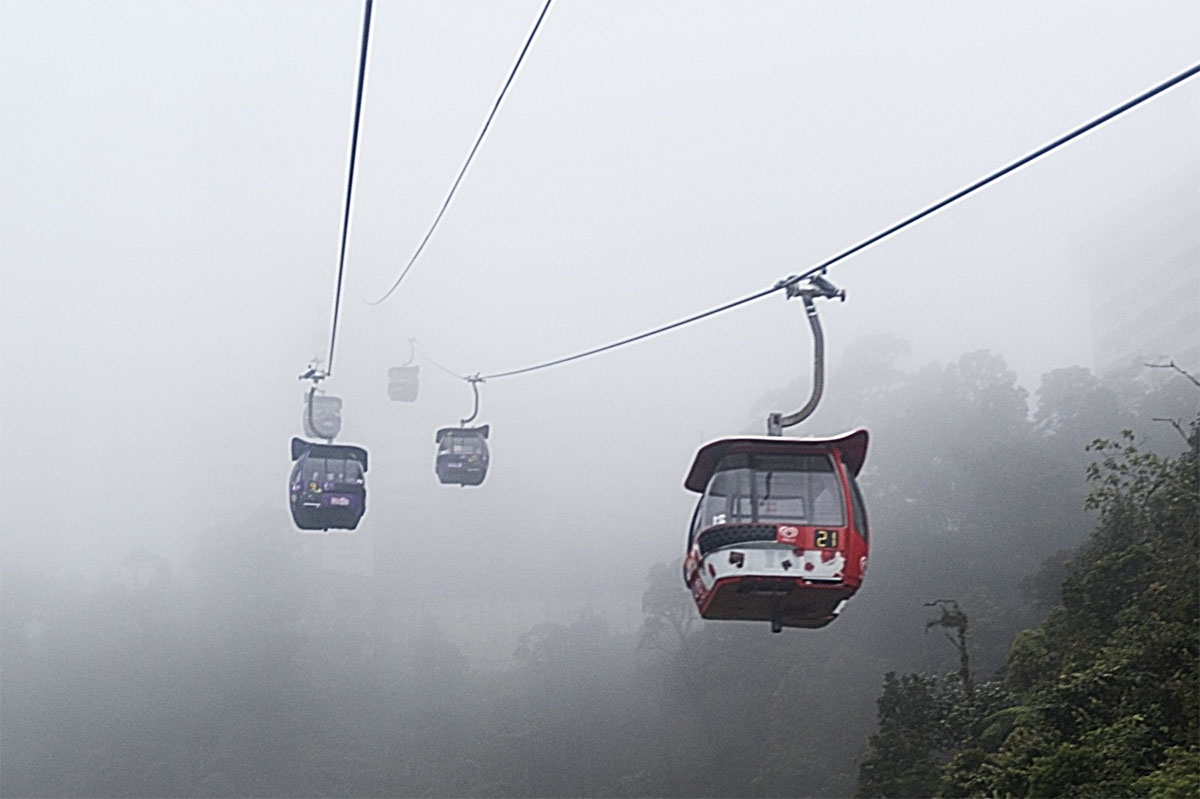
{"x": 173, "y": 175}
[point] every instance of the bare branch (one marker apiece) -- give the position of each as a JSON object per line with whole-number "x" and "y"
{"x": 1172, "y": 365}
{"x": 1174, "y": 423}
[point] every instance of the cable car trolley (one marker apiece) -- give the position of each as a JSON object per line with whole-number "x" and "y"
{"x": 405, "y": 380}
{"x": 780, "y": 531}
{"x": 403, "y": 383}
{"x": 328, "y": 485}
{"x": 462, "y": 455}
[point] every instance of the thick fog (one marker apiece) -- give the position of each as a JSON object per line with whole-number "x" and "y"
{"x": 173, "y": 179}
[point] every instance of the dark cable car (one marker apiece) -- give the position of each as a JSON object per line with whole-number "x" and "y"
{"x": 462, "y": 456}
{"x": 404, "y": 380}
{"x": 328, "y": 485}
{"x": 780, "y": 531}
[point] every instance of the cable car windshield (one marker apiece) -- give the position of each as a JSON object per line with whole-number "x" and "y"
{"x": 462, "y": 445}
{"x": 799, "y": 489}
{"x": 333, "y": 470}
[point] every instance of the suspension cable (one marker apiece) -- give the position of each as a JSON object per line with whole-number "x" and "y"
{"x": 362, "y": 75}
{"x": 621, "y": 343}
{"x": 425, "y": 357}
{"x": 478, "y": 140}
{"x": 1020, "y": 162}
{"x": 865, "y": 243}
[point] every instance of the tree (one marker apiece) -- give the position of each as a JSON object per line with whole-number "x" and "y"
{"x": 669, "y": 612}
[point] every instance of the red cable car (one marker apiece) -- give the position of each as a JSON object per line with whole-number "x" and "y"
{"x": 780, "y": 531}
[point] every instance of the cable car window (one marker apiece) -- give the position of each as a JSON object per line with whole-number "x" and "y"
{"x": 466, "y": 446}
{"x": 860, "y": 508}
{"x": 723, "y": 499}
{"x": 314, "y": 468}
{"x": 697, "y": 522}
{"x": 782, "y": 496}
{"x": 801, "y": 489}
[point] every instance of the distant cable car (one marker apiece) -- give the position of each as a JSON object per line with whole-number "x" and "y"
{"x": 403, "y": 383}
{"x": 404, "y": 380}
{"x": 462, "y": 456}
{"x": 780, "y": 531}
{"x": 328, "y": 485}
{"x": 322, "y": 415}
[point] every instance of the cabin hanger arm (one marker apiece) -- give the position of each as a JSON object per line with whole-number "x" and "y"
{"x": 815, "y": 286}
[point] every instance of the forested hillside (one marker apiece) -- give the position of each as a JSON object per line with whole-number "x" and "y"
{"x": 1098, "y": 700}
{"x": 204, "y": 680}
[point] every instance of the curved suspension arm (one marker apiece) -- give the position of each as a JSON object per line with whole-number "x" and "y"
{"x": 474, "y": 380}
{"x": 819, "y": 288}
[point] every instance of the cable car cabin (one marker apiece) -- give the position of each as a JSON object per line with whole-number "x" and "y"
{"x": 328, "y": 485}
{"x": 403, "y": 383}
{"x": 324, "y": 418}
{"x": 780, "y": 531}
{"x": 462, "y": 457}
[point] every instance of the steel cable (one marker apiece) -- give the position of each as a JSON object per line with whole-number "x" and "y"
{"x": 478, "y": 140}
{"x": 362, "y": 74}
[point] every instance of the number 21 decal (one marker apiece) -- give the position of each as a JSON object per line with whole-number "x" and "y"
{"x": 825, "y": 539}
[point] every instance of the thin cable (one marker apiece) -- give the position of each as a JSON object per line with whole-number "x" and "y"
{"x": 1020, "y": 162}
{"x": 470, "y": 155}
{"x": 794, "y": 279}
{"x": 425, "y": 357}
{"x": 596, "y": 350}
{"x": 362, "y": 75}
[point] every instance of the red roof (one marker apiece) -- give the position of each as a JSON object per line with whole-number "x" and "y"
{"x": 852, "y": 445}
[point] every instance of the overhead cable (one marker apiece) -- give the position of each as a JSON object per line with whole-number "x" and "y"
{"x": 362, "y": 75}
{"x": 865, "y": 243}
{"x": 425, "y": 357}
{"x": 621, "y": 343}
{"x": 478, "y": 140}
{"x": 1020, "y": 162}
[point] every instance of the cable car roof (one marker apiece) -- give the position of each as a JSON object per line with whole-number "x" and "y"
{"x": 463, "y": 432}
{"x": 852, "y": 445}
{"x": 316, "y": 450}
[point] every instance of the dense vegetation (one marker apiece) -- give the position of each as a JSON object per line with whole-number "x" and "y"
{"x": 209, "y": 681}
{"x": 1098, "y": 700}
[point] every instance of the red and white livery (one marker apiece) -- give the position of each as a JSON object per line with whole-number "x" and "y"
{"x": 780, "y": 531}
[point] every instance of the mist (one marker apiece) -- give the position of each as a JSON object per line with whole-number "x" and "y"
{"x": 173, "y": 181}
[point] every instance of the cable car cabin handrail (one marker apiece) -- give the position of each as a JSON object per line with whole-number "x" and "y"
{"x": 463, "y": 432}
{"x": 852, "y": 447}
{"x": 300, "y": 447}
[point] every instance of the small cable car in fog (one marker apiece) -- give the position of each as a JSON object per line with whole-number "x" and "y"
{"x": 404, "y": 380}
{"x": 462, "y": 456}
{"x": 403, "y": 383}
{"x": 322, "y": 415}
{"x": 328, "y": 485}
{"x": 780, "y": 531}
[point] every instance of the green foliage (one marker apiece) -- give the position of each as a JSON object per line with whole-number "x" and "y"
{"x": 900, "y": 759}
{"x": 1104, "y": 692}
{"x": 1178, "y": 777}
